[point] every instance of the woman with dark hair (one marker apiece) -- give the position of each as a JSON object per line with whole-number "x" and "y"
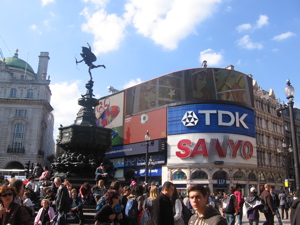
{"x": 107, "y": 215}
{"x": 10, "y": 211}
{"x": 232, "y": 211}
{"x": 46, "y": 174}
{"x": 85, "y": 193}
{"x": 19, "y": 187}
{"x": 177, "y": 208}
{"x": 37, "y": 170}
{"x": 137, "y": 192}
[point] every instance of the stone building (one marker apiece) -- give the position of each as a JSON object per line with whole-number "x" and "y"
{"x": 26, "y": 118}
{"x": 269, "y": 136}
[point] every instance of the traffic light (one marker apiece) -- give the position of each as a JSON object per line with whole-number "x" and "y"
{"x": 27, "y": 167}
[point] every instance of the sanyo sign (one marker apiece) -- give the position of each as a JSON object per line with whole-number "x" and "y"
{"x": 211, "y": 118}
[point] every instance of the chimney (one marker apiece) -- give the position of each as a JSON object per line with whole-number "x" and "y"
{"x": 43, "y": 65}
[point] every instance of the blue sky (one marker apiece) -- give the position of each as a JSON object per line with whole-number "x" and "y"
{"x": 138, "y": 40}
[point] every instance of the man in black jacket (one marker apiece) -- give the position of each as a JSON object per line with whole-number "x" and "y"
{"x": 62, "y": 201}
{"x": 295, "y": 209}
{"x": 268, "y": 201}
{"x": 163, "y": 207}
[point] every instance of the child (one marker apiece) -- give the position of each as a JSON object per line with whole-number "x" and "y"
{"x": 45, "y": 215}
{"x": 28, "y": 203}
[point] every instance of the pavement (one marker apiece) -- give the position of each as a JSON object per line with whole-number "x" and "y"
{"x": 262, "y": 219}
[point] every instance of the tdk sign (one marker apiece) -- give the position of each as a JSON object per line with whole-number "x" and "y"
{"x": 211, "y": 118}
{"x": 190, "y": 118}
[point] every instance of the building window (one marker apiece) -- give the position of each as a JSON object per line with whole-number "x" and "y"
{"x": 21, "y": 113}
{"x": 199, "y": 175}
{"x": 271, "y": 178}
{"x": 18, "y": 135}
{"x": 239, "y": 175}
{"x": 220, "y": 174}
{"x": 252, "y": 177}
{"x": 13, "y": 93}
{"x": 179, "y": 175}
{"x": 29, "y": 93}
{"x": 261, "y": 177}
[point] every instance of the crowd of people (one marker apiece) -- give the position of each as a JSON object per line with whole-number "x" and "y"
{"x": 58, "y": 202}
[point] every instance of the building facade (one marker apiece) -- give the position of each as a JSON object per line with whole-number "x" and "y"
{"x": 203, "y": 125}
{"x": 26, "y": 117}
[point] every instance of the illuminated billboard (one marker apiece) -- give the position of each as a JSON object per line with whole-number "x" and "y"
{"x": 190, "y": 85}
{"x": 135, "y": 127}
{"x": 109, "y": 114}
{"x": 209, "y": 133}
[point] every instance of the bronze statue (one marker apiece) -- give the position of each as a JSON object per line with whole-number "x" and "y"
{"x": 89, "y": 57}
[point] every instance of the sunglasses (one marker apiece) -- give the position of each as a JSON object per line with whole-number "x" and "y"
{"x": 8, "y": 194}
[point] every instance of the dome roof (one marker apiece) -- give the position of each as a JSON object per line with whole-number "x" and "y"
{"x": 17, "y": 63}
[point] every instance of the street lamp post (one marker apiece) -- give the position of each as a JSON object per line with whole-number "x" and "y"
{"x": 151, "y": 165}
{"x": 147, "y": 139}
{"x": 285, "y": 152}
{"x": 289, "y": 92}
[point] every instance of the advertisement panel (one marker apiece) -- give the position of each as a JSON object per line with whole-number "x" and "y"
{"x": 208, "y": 148}
{"x": 211, "y": 118}
{"x": 109, "y": 114}
{"x": 135, "y": 127}
{"x": 190, "y": 85}
{"x": 135, "y": 149}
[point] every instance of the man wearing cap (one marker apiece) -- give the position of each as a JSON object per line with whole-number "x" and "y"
{"x": 252, "y": 205}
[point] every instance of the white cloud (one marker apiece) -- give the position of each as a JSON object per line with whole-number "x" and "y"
{"x": 283, "y": 36}
{"x": 46, "y": 2}
{"x": 97, "y": 3}
{"x": 244, "y": 27}
{"x": 108, "y": 30}
{"x": 245, "y": 42}
{"x": 228, "y": 9}
{"x": 132, "y": 82}
{"x": 167, "y": 22}
{"x": 33, "y": 27}
{"x": 262, "y": 21}
{"x": 64, "y": 100}
{"x": 212, "y": 58}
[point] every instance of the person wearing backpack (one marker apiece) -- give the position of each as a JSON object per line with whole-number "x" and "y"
{"x": 283, "y": 204}
{"x": 107, "y": 214}
{"x": 252, "y": 206}
{"x": 162, "y": 206}
{"x": 134, "y": 205}
{"x": 230, "y": 207}
{"x": 205, "y": 213}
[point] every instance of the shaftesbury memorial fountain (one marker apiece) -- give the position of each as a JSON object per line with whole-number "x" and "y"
{"x": 84, "y": 143}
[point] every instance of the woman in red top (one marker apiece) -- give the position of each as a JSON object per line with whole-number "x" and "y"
{"x": 85, "y": 193}
{"x": 239, "y": 196}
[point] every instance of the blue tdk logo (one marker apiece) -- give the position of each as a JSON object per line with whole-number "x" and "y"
{"x": 189, "y": 119}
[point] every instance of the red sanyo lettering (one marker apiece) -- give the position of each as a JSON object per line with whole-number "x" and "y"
{"x": 245, "y": 147}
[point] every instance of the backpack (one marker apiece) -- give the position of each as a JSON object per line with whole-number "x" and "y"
{"x": 186, "y": 214}
{"x": 131, "y": 209}
{"x": 145, "y": 218}
{"x": 229, "y": 204}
